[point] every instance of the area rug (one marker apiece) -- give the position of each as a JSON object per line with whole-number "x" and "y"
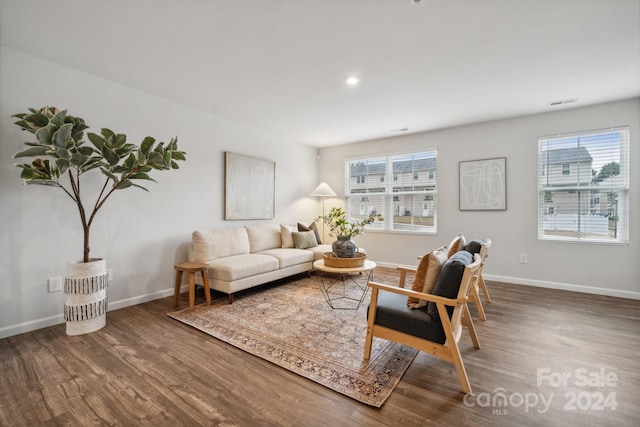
{"x": 290, "y": 324}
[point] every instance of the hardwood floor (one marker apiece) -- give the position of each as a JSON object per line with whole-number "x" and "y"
{"x": 146, "y": 369}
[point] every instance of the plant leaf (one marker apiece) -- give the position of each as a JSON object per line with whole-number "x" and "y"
{"x": 45, "y": 134}
{"x": 32, "y": 152}
{"x": 146, "y": 145}
{"x": 63, "y": 135}
{"x": 108, "y": 134}
{"x": 62, "y": 165}
{"x": 96, "y": 140}
{"x": 110, "y": 156}
{"x": 58, "y": 119}
{"x": 119, "y": 140}
{"x": 63, "y": 153}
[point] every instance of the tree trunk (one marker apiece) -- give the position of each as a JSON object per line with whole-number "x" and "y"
{"x": 86, "y": 243}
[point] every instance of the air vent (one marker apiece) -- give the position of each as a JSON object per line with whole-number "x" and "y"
{"x": 563, "y": 101}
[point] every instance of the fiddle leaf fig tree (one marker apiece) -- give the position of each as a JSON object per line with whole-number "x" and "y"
{"x": 62, "y": 157}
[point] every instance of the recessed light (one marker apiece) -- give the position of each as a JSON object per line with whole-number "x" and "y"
{"x": 352, "y": 80}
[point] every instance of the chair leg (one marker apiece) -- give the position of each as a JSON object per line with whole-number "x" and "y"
{"x": 468, "y": 322}
{"x": 485, "y": 291}
{"x": 462, "y": 373}
{"x": 476, "y": 300}
{"x": 370, "y": 323}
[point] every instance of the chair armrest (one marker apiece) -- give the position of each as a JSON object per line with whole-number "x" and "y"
{"x": 420, "y": 295}
{"x": 402, "y": 268}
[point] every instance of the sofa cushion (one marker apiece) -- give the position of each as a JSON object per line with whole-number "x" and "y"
{"x": 457, "y": 244}
{"x": 426, "y": 275}
{"x": 241, "y": 266}
{"x": 289, "y": 256}
{"x": 319, "y": 250}
{"x": 286, "y": 236}
{"x": 213, "y": 244}
{"x": 448, "y": 283}
{"x": 304, "y": 239}
{"x": 263, "y": 237}
{"x": 312, "y": 227}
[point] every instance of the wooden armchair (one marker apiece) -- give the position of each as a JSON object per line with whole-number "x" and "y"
{"x": 474, "y": 295}
{"x": 435, "y": 329}
{"x": 475, "y": 246}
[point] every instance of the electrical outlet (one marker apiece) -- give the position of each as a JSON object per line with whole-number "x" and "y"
{"x": 110, "y": 274}
{"x": 523, "y": 259}
{"x": 55, "y": 284}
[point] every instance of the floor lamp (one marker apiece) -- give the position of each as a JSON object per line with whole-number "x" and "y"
{"x": 325, "y": 191}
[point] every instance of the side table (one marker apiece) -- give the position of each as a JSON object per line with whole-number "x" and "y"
{"x": 191, "y": 268}
{"x": 334, "y": 281}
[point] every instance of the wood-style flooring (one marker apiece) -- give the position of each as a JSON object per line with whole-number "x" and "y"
{"x": 548, "y": 358}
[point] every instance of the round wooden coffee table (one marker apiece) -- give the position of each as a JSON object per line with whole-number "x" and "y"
{"x": 344, "y": 288}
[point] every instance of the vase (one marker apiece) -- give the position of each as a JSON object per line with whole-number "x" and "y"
{"x": 85, "y": 310}
{"x": 344, "y": 247}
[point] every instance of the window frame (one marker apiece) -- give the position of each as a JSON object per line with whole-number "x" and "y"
{"x": 585, "y": 214}
{"x": 395, "y": 193}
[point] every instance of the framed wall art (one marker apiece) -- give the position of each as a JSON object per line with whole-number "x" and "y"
{"x": 249, "y": 191}
{"x": 483, "y": 185}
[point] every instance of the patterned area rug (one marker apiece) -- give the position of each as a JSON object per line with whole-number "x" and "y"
{"x": 290, "y": 324}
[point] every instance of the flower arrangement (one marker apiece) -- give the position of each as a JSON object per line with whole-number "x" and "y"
{"x": 340, "y": 227}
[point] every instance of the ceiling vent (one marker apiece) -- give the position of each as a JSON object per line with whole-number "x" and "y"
{"x": 563, "y": 101}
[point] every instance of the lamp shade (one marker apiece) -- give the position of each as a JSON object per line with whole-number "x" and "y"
{"x": 323, "y": 190}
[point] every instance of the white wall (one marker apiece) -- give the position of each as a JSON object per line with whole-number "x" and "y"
{"x": 137, "y": 232}
{"x": 605, "y": 269}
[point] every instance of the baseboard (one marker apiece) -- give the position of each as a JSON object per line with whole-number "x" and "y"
{"x": 551, "y": 285}
{"x": 565, "y": 286}
{"x": 32, "y": 325}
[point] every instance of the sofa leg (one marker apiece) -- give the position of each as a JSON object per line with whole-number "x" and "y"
{"x": 230, "y": 298}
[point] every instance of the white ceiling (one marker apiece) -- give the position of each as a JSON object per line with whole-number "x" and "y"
{"x": 280, "y": 65}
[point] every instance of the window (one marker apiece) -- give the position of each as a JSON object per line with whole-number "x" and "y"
{"x": 583, "y": 186}
{"x": 407, "y": 203}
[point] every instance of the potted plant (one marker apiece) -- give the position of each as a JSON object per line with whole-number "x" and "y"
{"x": 62, "y": 157}
{"x": 345, "y": 230}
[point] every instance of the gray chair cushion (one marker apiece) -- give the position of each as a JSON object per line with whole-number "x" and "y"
{"x": 392, "y": 312}
{"x": 474, "y": 246}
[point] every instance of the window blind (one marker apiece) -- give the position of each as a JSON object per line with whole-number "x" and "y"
{"x": 583, "y": 186}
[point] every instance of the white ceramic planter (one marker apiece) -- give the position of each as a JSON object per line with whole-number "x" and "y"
{"x": 85, "y": 310}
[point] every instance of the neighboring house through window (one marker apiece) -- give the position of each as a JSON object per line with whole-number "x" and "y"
{"x": 407, "y": 203}
{"x": 583, "y": 186}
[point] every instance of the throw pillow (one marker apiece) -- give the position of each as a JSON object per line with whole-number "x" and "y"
{"x": 457, "y": 244}
{"x": 312, "y": 227}
{"x": 426, "y": 276}
{"x": 448, "y": 283}
{"x": 287, "y": 237}
{"x": 304, "y": 239}
{"x": 474, "y": 246}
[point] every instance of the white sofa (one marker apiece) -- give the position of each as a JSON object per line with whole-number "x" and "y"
{"x": 242, "y": 257}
